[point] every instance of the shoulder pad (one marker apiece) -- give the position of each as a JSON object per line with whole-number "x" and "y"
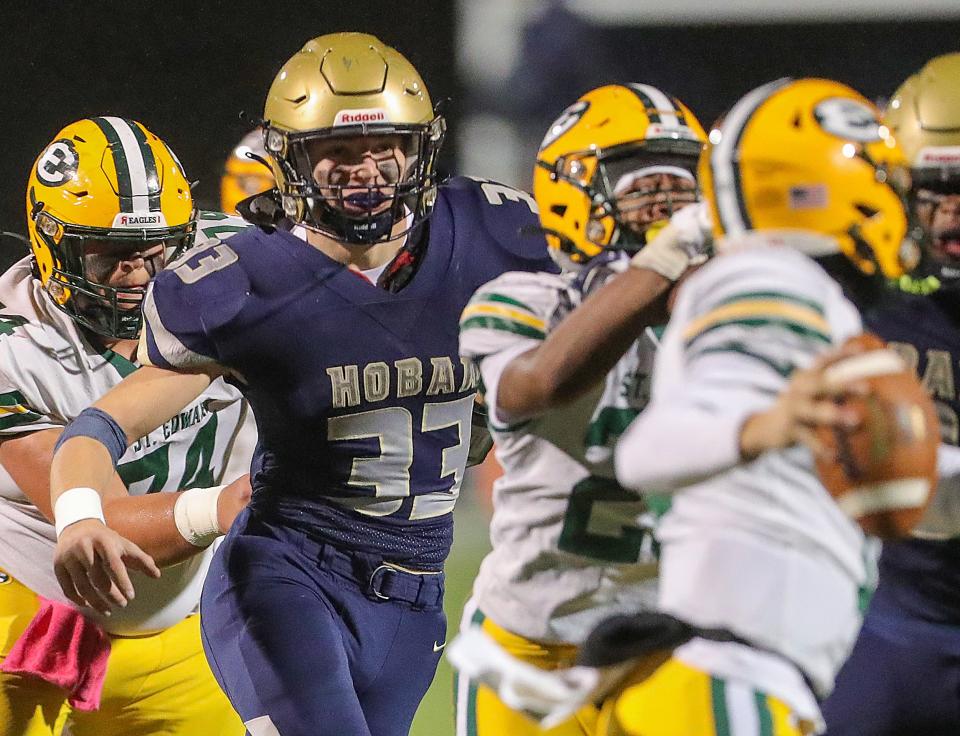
{"x": 779, "y": 307}
{"x": 513, "y": 308}
{"x": 212, "y": 225}
{"x": 760, "y": 271}
{"x": 535, "y": 292}
{"x": 210, "y": 279}
{"x": 508, "y": 215}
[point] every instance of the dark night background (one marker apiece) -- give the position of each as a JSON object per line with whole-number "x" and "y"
{"x": 187, "y": 69}
{"x": 183, "y": 69}
{"x": 710, "y": 66}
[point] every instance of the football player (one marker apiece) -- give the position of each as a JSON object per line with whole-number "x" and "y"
{"x": 570, "y": 546}
{"x": 107, "y": 205}
{"x": 911, "y": 633}
{"x": 762, "y": 574}
{"x": 338, "y": 318}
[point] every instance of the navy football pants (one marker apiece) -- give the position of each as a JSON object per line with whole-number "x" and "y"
{"x": 902, "y": 678}
{"x": 309, "y": 641}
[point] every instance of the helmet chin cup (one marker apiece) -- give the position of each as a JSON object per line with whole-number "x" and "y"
{"x": 909, "y": 254}
{"x": 362, "y": 230}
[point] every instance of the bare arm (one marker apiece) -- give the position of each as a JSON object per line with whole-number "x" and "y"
{"x": 139, "y": 404}
{"x": 91, "y": 559}
{"x": 145, "y": 520}
{"x": 654, "y": 453}
{"x": 585, "y": 346}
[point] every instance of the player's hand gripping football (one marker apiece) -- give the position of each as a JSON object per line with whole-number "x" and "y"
{"x": 91, "y": 561}
{"x": 809, "y": 401}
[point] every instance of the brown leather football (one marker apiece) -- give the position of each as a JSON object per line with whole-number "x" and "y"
{"x": 884, "y": 472}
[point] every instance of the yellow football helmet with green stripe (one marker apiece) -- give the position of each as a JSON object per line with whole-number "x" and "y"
{"x": 109, "y": 181}
{"x": 811, "y": 155}
{"x": 613, "y": 167}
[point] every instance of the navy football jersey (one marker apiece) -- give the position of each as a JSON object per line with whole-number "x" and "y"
{"x": 363, "y": 405}
{"x": 922, "y": 576}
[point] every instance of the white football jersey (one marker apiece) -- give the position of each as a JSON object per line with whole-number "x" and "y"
{"x": 49, "y": 373}
{"x": 759, "y": 548}
{"x": 570, "y": 546}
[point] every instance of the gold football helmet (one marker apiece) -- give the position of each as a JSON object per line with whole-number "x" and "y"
{"x": 346, "y": 86}
{"x": 613, "y": 167}
{"x": 244, "y": 176}
{"x": 811, "y": 155}
{"x": 105, "y": 188}
{"x": 924, "y": 117}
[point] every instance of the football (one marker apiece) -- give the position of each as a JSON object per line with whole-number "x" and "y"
{"x": 883, "y": 472}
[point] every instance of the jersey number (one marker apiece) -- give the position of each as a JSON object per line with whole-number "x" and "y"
{"x": 155, "y": 466}
{"x": 389, "y": 472}
{"x": 214, "y": 231}
{"x": 497, "y": 193}
{"x": 209, "y": 260}
{"x": 593, "y": 528}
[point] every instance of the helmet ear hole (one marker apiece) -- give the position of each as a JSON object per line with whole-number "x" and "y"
{"x": 559, "y": 209}
{"x": 865, "y": 210}
{"x": 797, "y": 121}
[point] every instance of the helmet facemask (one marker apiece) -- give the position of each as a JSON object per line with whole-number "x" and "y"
{"x": 633, "y": 190}
{"x": 355, "y": 183}
{"x": 646, "y": 190}
{"x": 86, "y": 259}
{"x": 935, "y": 207}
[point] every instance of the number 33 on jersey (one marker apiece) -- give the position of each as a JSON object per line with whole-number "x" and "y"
{"x": 360, "y": 395}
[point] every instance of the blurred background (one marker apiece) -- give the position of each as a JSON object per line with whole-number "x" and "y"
{"x": 501, "y": 70}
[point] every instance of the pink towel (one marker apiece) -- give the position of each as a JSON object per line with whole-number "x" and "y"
{"x": 65, "y": 649}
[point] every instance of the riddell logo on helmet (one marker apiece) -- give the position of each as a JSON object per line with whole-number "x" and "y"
{"x": 356, "y": 117}
{"x": 937, "y": 156}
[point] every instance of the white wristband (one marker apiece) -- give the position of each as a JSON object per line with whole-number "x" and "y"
{"x": 195, "y": 514}
{"x": 77, "y": 504}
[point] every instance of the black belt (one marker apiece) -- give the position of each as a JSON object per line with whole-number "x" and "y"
{"x": 629, "y": 636}
{"x": 380, "y": 580}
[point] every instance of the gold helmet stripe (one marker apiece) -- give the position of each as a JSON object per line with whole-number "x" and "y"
{"x": 724, "y": 159}
{"x": 660, "y": 108}
{"x": 137, "y": 180}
